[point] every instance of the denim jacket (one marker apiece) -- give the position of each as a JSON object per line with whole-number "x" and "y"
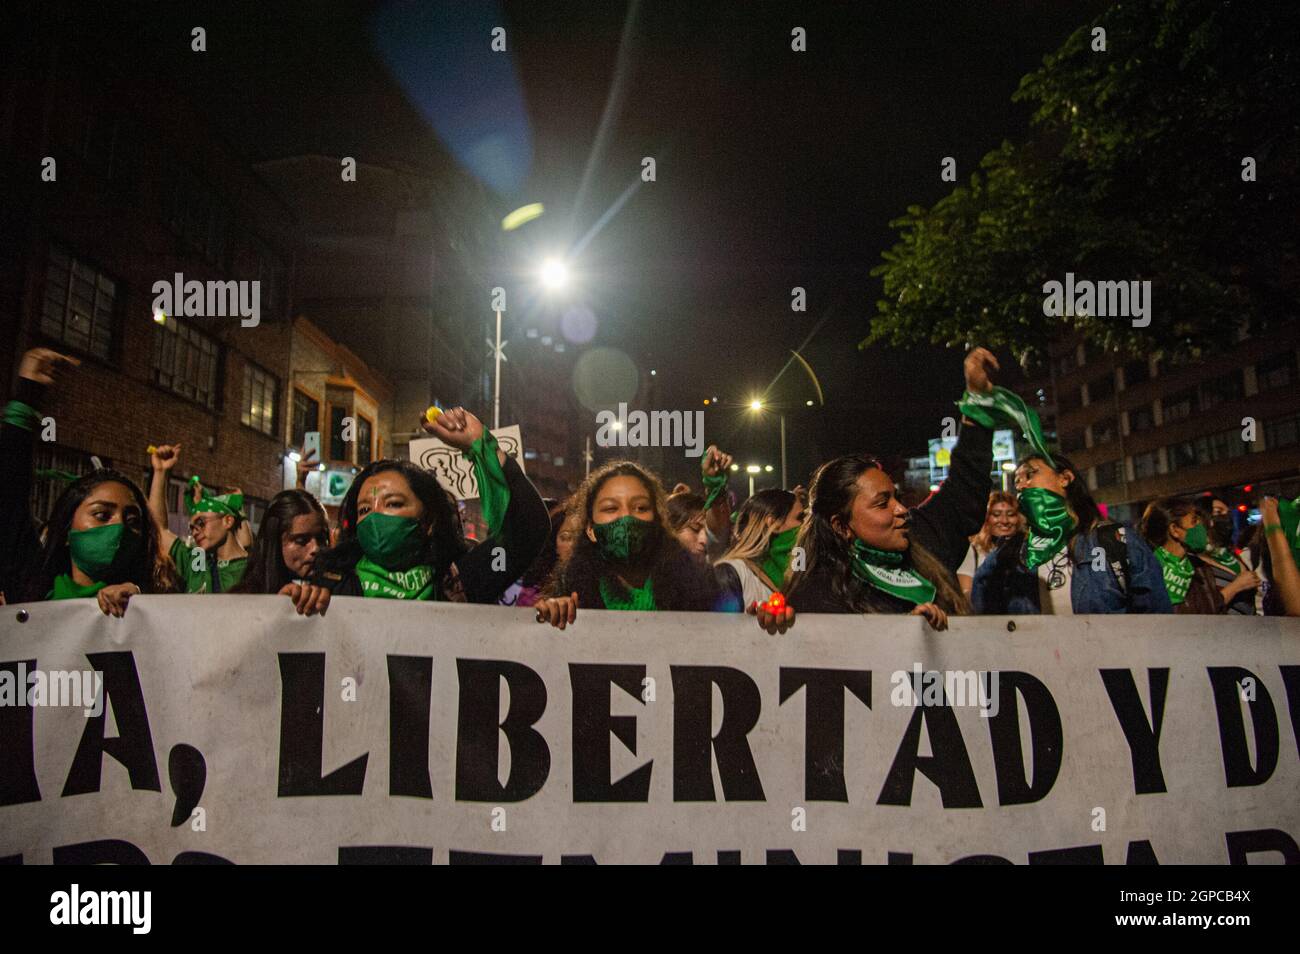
{"x": 1003, "y": 585}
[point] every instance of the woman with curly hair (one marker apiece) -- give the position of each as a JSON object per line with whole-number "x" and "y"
{"x": 1002, "y": 522}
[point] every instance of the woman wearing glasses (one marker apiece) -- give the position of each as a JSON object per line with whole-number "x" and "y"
{"x": 293, "y": 531}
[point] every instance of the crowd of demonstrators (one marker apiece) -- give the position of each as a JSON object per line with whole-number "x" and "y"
{"x": 620, "y": 542}
{"x": 1002, "y": 522}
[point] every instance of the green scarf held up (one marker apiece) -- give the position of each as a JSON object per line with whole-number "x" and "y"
{"x": 1050, "y": 524}
{"x": 416, "y": 583}
{"x": 715, "y": 485}
{"x": 1177, "y": 572}
{"x": 637, "y": 598}
{"x": 493, "y": 490}
{"x": 1003, "y": 408}
{"x": 1288, "y": 512}
{"x": 884, "y": 570}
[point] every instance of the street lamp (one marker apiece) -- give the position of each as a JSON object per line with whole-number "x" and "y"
{"x": 753, "y": 469}
{"x": 757, "y": 405}
{"x": 555, "y": 274}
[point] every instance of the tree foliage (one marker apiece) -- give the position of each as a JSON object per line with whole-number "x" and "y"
{"x": 1132, "y": 171}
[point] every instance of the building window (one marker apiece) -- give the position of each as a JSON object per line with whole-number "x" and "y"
{"x": 1277, "y": 371}
{"x": 195, "y": 213}
{"x": 1107, "y": 474}
{"x": 1071, "y": 442}
{"x": 1224, "y": 445}
{"x": 1067, "y": 362}
{"x": 1146, "y": 465}
{"x": 1141, "y": 419}
{"x": 338, "y": 446}
{"x": 1180, "y": 405}
{"x": 365, "y": 434}
{"x": 1221, "y": 390}
{"x": 185, "y": 361}
{"x": 1136, "y": 372}
{"x": 1101, "y": 389}
{"x": 78, "y": 305}
{"x": 1282, "y": 432}
{"x": 261, "y": 395}
{"x": 306, "y": 417}
{"x": 1104, "y": 431}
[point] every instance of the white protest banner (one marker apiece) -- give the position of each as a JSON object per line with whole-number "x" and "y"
{"x": 388, "y": 731}
{"x": 449, "y": 465}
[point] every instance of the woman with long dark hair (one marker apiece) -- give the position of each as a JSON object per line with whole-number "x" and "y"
{"x": 1173, "y": 527}
{"x": 755, "y": 566}
{"x": 98, "y": 542}
{"x": 1070, "y": 560}
{"x": 1002, "y": 522}
{"x": 294, "y": 529}
{"x": 1225, "y": 562}
{"x": 399, "y": 535}
{"x": 865, "y": 552}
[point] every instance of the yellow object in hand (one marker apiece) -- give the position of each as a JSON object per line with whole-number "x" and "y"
{"x": 432, "y": 414}
{"x": 151, "y": 449}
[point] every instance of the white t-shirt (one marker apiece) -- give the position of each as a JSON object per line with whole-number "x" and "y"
{"x": 753, "y": 587}
{"x": 1054, "y": 579}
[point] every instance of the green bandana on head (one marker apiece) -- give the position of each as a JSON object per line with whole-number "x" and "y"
{"x": 884, "y": 570}
{"x": 1050, "y": 524}
{"x": 623, "y": 539}
{"x": 224, "y": 505}
{"x": 1003, "y": 408}
{"x": 104, "y": 552}
{"x": 777, "y": 560}
{"x": 1177, "y": 572}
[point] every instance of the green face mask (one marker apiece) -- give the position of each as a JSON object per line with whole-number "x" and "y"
{"x": 1049, "y": 522}
{"x": 623, "y": 539}
{"x": 778, "y": 555}
{"x": 104, "y": 553}
{"x": 1196, "y": 539}
{"x": 393, "y": 542}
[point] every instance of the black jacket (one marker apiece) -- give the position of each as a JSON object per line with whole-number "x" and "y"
{"x": 19, "y": 547}
{"x": 524, "y": 531}
{"x": 943, "y": 524}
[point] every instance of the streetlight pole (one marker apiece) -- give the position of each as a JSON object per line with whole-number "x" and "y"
{"x": 784, "y": 485}
{"x": 496, "y": 382}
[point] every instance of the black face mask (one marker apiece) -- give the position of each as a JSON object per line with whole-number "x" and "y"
{"x": 1222, "y": 530}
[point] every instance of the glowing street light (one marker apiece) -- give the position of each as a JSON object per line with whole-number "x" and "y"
{"x": 555, "y": 274}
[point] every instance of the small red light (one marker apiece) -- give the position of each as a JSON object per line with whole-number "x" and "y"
{"x": 776, "y": 602}
{"x": 1248, "y": 488}
{"x": 1241, "y": 507}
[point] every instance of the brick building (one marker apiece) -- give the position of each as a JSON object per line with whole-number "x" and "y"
{"x": 1142, "y": 428}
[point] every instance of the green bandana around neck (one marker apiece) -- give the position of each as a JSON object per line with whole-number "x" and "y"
{"x": 65, "y": 588}
{"x": 390, "y": 541}
{"x": 224, "y": 505}
{"x": 1050, "y": 524}
{"x": 636, "y": 598}
{"x": 1177, "y": 572}
{"x": 623, "y": 539}
{"x": 777, "y": 560}
{"x": 884, "y": 570}
{"x": 1227, "y": 558}
{"x": 1003, "y": 408}
{"x": 105, "y": 552}
{"x": 415, "y": 583}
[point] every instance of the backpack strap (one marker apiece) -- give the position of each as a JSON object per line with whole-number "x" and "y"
{"x": 1111, "y": 538}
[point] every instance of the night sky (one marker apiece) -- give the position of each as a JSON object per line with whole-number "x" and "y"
{"x": 774, "y": 169}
